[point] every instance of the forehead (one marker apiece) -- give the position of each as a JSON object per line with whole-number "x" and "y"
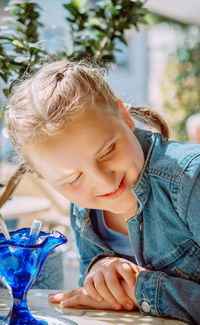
{"x": 89, "y": 127}
{"x": 81, "y": 140}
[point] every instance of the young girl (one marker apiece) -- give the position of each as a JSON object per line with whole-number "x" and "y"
{"x": 135, "y": 209}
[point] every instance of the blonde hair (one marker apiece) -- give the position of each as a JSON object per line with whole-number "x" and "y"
{"x": 46, "y": 102}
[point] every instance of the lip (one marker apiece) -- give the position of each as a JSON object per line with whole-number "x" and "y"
{"x": 118, "y": 192}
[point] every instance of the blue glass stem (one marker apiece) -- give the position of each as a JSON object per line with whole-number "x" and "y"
{"x": 19, "y": 313}
{"x": 19, "y": 307}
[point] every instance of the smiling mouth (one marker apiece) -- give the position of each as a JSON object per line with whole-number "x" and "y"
{"x": 118, "y": 191}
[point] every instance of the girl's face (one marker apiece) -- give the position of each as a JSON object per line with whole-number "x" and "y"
{"x": 94, "y": 164}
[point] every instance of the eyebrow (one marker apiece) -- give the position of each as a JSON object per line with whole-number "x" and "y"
{"x": 105, "y": 143}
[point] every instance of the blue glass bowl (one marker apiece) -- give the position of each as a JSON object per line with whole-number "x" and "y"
{"x": 21, "y": 259}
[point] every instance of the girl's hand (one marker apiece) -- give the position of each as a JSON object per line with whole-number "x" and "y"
{"x": 129, "y": 292}
{"x": 77, "y": 298}
{"x": 104, "y": 282}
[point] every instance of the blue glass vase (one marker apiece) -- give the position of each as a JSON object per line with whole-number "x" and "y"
{"x": 21, "y": 259}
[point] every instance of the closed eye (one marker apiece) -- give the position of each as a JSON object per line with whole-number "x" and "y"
{"x": 108, "y": 153}
{"x": 75, "y": 180}
{"x": 105, "y": 156}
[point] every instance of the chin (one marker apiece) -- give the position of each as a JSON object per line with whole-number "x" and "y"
{"x": 125, "y": 208}
{"x": 121, "y": 210}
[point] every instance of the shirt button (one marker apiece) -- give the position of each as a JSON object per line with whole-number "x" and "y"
{"x": 145, "y": 307}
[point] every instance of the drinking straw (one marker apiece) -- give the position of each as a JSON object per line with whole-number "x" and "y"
{"x": 4, "y": 228}
{"x": 35, "y": 228}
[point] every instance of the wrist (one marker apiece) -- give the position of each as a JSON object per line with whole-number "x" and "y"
{"x": 98, "y": 258}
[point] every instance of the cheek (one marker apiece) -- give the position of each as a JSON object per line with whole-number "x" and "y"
{"x": 80, "y": 195}
{"x": 131, "y": 158}
{"x": 125, "y": 157}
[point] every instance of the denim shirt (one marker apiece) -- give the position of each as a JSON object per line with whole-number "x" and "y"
{"x": 164, "y": 233}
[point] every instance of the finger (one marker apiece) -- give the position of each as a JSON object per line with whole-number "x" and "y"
{"x": 54, "y": 293}
{"x": 85, "y": 301}
{"x": 61, "y": 295}
{"x": 127, "y": 273}
{"x": 104, "y": 291}
{"x": 91, "y": 290}
{"x": 56, "y": 297}
{"x": 79, "y": 301}
{"x": 136, "y": 268}
{"x": 118, "y": 292}
{"x": 71, "y": 303}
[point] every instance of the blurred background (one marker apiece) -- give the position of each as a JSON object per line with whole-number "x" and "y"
{"x": 153, "y": 57}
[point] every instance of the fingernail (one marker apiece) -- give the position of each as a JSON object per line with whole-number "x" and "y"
{"x": 117, "y": 306}
{"x": 51, "y": 298}
{"x": 129, "y": 306}
{"x": 55, "y": 297}
{"x": 99, "y": 298}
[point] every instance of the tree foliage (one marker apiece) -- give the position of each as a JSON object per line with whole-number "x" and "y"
{"x": 20, "y": 48}
{"x": 182, "y": 83}
{"x": 93, "y": 32}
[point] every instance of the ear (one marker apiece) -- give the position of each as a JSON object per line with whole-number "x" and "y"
{"x": 125, "y": 115}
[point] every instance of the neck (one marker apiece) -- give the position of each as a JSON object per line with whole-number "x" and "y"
{"x": 117, "y": 221}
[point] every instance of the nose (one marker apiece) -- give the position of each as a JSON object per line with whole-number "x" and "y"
{"x": 103, "y": 180}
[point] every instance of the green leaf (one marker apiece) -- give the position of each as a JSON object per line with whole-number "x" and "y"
{"x": 122, "y": 39}
{"x": 6, "y": 92}
{"x": 17, "y": 43}
{"x": 72, "y": 9}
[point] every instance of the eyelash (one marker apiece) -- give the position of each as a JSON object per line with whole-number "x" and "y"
{"x": 75, "y": 181}
{"x": 110, "y": 151}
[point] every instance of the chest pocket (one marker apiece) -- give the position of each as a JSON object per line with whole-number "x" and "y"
{"x": 184, "y": 262}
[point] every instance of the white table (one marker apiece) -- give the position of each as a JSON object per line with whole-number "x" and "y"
{"x": 38, "y": 304}
{"x": 18, "y": 205}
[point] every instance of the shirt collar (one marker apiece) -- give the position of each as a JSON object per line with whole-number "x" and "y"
{"x": 142, "y": 188}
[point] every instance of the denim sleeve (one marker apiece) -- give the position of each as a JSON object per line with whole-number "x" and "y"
{"x": 83, "y": 265}
{"x": 164, "y": 296}
{"x": 193, "y": 210}
{"x": 88, "y": 252}
{"x": 189, "y": 198}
